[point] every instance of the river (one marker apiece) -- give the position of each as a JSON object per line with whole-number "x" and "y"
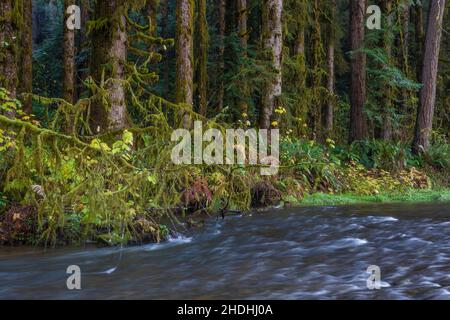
{"x": 297, "y": 253}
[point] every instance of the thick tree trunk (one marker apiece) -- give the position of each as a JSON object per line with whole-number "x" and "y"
{"x": 358, "y": 126}
{"x": 109, "y": 54}
{"x": 185, "y": 57}
{"x": 202, "y": 60}
{"x": 26, "y": 76}
{"x": 272, "y": 37}
{"x": 329, "y": 110}
{"x": 68, "y": 91}
{"x": 424, "y": 122}
{"x": 9, "y": 47}
{"x": 221, "y": 63}
{"x": 243, "y": 38}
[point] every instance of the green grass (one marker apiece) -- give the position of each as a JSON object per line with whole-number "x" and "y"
{"x": 320, "y": 199}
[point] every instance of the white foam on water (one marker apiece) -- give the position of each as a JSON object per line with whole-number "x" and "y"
{"x": 170, "y": 242}
{"x": 383, "y": 219}
{"x": 109, "y": 271}
{"x": 356, "y": 241}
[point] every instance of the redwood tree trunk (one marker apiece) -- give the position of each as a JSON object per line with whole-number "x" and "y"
{"x": 109, "y": 53}
{"x": 358, "y": 126}
{"x": 424, "y": 122}
{"x": 68, "y": 91}
{"x": 185, "y": 57}
{"x": 272, "y": 37}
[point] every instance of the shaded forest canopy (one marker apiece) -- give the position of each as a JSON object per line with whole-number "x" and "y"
{"x": 87, "y": 114}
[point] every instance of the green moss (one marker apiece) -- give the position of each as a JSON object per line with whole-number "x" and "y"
{"x": 442, "y": 195}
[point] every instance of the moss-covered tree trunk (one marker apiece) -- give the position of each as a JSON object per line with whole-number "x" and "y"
{"x": 26, "y": 72}
{"x": 108, "y": 58}
{"x": 9, "y": 47}
{"x": 424, "y": 122}
{"x": 358, "y": 126}
{"x": 300, "y": 10}
{"x": 68, "y": 83}
{"x": 329, "y": 109}
{"x": 202, "y": 59}
{"x": 221, "y": 63}
{"x": 272, "y": 41}
{"x": 185, "y": 57}
{"x": 243, "y": 39}
{"x": 317, "y": 65}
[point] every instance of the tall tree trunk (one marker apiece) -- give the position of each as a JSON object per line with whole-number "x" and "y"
{"x": 301, "y": 109}
{"x": 68, "y": 91}
{"x": 386, "y": 126}
{"x": 420, "y": 38}
{"x": 221, "y": 63}
{"x": 185, "y": 57}
{"x": 424, "y": 122}
{"x": 9, "y": 47}
{"x": 202, "y": 60}
{"x": 272, "y": 37}
{"x": 329, "y": 110}
{"x": 109, "y": 54}
{"x": 243, "y": 38}
{"x": 26, "y": 76}
{"x": 358, "y": 126}
{"x": 403, "y": 18}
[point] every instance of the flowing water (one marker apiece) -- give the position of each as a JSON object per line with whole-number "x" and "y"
{"x": 301, "y": 253}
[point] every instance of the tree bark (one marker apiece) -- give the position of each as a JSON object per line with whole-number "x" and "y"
{"x": 420, "y": 39}
{"x": 185, "y": 58}
{"x": 243, "y": 39}
{"x": 424, "y": 121}
{"x": 329, "y": 111}
{"x": 9, "y": 47}
{"x": 26, "y": 76}
{"x": 221, "y": 62}
{"x": 108, "y": 56}
{"x": 358, "y": 126}
{"x": 272, "y": 38}
{"x": 68, "y": 91}
{"x": 202, "y": 72}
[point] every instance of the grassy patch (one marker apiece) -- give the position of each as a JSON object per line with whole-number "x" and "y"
{"x": 316, "y": 199}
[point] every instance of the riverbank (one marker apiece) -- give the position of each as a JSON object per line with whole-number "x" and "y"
{"x": 412, "y": 196}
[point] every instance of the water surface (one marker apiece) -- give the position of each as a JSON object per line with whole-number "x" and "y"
{"x": 301, "y": 253}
